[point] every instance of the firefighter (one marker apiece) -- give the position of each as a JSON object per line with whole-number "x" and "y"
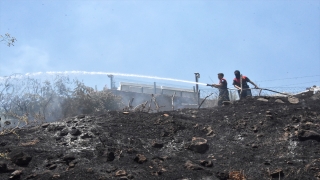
{"x": 245, "y": 87}
{"x": 223, "y": 89}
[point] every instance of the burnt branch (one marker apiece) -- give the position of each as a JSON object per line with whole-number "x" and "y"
{"x": 172, "y": 101}
{"x": 204, "y": 100}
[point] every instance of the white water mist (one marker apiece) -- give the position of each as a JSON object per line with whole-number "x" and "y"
{"x": 105, "y": 73}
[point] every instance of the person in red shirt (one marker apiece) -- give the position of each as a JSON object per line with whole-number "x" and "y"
{"x": 223, "y": 89}
{"x": 245, "y": 87}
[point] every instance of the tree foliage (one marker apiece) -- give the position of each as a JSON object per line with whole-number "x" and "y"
{"x": 8, "y": 39}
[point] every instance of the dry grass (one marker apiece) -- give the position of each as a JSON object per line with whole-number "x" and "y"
{"x": 4, "y": 155}
{"x": 237, "y": 175}
{"x": 30, "y": 143}
{"x": 9, "y": 131}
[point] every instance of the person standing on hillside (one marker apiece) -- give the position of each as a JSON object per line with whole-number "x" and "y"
{"x": 223, "y": 89}
{"x": 240, "y": 79}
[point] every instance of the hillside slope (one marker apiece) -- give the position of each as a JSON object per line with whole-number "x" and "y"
{"x": 255, "y": 138}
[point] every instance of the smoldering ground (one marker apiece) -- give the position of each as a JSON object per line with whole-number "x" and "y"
{"x": 254, "y": 138}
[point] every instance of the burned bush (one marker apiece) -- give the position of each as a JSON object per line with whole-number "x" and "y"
{"x": 25, "y": 100}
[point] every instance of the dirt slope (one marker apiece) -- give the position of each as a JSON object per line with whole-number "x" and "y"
{"x": 255, "y": 138}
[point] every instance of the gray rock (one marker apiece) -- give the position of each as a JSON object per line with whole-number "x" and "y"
{"x": 110, "y": 168}
{"x": 263, "y": 99}
{"x": 3, "y": 167}
{"x": 16, "y": 174}
{"x": 60, "y": 127}
{"x": 198, "y": 145}
{"x": 75, "y": 132}
{"x": 316, "y": 96}
{"x": 304, "y": 135}
{"x": 279, "y": 101}
{"x": 81, "y": 116}
{"x": 121, "y": 173}
{"x": 68, "y": 157}
{"x": 85, "y": 136}
{"x": 293, "y": 100}
{"x": 53, "y": 166}
{"x": 191, "y": 166}
{"x": 73, "y": 138}
{"x": 157, "y": 144}
{"x": 254, "y": 146}
{"x": 110, "y": 156}
{"x": 64, "y": 132}
{"x": 45, "y": 125}
{"x": 140, "y": 158}
{"x": 277, "y": 173}
{"x": 21, "y": 159}
{"x": 206, "y": 163}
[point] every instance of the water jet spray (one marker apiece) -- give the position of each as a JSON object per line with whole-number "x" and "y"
{"x": 102, "y": 73}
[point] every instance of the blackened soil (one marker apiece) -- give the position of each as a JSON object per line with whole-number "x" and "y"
{"x": 255, "y": 138}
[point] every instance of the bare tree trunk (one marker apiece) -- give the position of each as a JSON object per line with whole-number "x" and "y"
{"x": 172, "y": 101}
{"x": 130, "y": 104}
{"x": 155, "y": 102}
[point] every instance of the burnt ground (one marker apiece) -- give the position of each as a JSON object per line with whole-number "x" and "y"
{"x": 255, "y": 138}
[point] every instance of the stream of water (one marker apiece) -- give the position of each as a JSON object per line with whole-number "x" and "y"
{"x": 103, "y": 73}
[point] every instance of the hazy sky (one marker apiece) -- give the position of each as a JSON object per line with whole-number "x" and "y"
{"x": 274, "y": 43}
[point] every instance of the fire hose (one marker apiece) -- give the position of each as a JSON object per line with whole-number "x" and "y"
{"x": 241, "y": 91}
{"x": 257, "y": 88}
{"x": 265, "y": 90}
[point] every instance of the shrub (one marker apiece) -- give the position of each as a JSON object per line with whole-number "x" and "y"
{"x": 32, "y": 101}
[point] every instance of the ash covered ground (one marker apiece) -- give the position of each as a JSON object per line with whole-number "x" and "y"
{"x": 254, "y": 138}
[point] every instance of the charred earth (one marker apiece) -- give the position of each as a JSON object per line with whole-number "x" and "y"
{"x": 254, "y": 138}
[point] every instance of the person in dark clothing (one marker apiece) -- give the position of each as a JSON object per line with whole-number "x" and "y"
{"x": 223, "y": 89}
{"x": 240, "y": 79}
